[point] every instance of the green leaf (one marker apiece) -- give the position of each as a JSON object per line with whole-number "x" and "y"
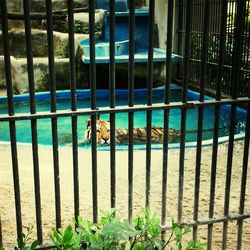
{"x": 158, "y": 243}
{"x": 128, "y": 245}
{"x": 198, "y": 245}
{"x": 187, "y": 229}
{"x": 179, "y": 246}
{"x": 177, "y": 232}
{"x": 56, "y": 237}
{"x": 191, "y": 245}
{"x": 68, "y": 234}
{"x": 79, "y": 221}
{"x": 138, "y": 246}
{"x": 34, "y": 245}
{"x": 26, "y": 248}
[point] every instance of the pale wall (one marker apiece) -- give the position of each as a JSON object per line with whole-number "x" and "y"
{"x": 161, "y": 10}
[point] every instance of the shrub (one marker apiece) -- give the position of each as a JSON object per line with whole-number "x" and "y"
{"x": 111, "y": 233}
{"x": 62, "y": 50}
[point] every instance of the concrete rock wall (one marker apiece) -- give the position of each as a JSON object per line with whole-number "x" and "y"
{"x": 19, "y": 73}
{"x": 40, "y": 61}
{"x": 40, "y": 5}
{"x": 17, "y": 43}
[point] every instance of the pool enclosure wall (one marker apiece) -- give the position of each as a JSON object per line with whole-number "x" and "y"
{"x": 189, "y": 35}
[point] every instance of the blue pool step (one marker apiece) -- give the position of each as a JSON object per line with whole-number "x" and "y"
{"x": 122, "y": 53}
{"x": 139, "y": 57}
{"x": 102, "y": 48}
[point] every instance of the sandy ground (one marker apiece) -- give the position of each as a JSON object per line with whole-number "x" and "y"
{"x": 7, "y": 208}
{"x": 3, "y": 92}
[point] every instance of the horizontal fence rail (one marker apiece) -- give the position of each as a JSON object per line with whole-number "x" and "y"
{"x": 122, "y": 109}
{"x": 213, "y": 40}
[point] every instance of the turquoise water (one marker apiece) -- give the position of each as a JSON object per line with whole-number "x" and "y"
{"x": 23, "y": 129}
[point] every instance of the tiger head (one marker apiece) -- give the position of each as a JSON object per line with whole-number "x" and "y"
{"x": 102, "y": 132}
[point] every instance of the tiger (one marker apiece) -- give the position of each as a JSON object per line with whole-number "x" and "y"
{"x": 102, "y": 132}
{"x": 122, "y": 134}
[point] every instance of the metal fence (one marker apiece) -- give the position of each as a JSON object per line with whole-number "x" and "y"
{"x": 189, "y": 15}
{"x": 214, "y": 43}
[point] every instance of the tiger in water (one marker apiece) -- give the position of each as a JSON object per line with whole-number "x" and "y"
{"x": 122, "y": 134}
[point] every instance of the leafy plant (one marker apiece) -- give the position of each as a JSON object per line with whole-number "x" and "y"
{"x": 67, "y": 239}
{"x": 177, "y": 234}
{"x": 78, "y": 26}
{"x": 22, "y": 243}
{"x": 247, "y": 23}
{"x": 42, "y": 83}
{"x": 15, "y": 88}
{"x": 62, "y": 49}
{"x": 60, "y": 26}
{"x": 111, "y": 233}
{"x": 144, "y": 232}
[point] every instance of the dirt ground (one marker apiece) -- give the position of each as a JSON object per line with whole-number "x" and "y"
{"x": 7, "y": 207}
{"x": 3, "y": 92}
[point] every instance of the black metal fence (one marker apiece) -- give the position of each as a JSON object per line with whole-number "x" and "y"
{"x": 213, "y": 41}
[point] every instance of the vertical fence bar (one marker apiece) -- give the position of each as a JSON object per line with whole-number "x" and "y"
{"x": 166, "y": 111}
{"x": 12, "y": 124}
{"x": 184, "y": 100}
{"x": 52, "y": 82}
{"x": 244, "y": 166}
{"x": 180, "y": 33}
{"x": 26, "y": 8}
{"x": 93, "y": 106}
{"x": 201, "y": 112}
{"x": 1, "y": 234}
{"x": 221, "y": 60}
{"x": 131, "y": 104}
{"x": 223, "y": 27}
{"x": 112, "y": 103}
{"x": 149, "y": 97}
{"x": 73, "y": 105}
{"x": 238, "y": 49}
{"x": 244, "y": 178}
{"x": 246, "y": 46}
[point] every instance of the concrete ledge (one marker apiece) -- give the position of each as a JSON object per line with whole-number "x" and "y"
{"x": 39, "y": 43}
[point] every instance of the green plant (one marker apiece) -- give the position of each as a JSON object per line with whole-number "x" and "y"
{"x": 111, "y": 233}
{"x": 62, "y": 49}
{"x": 232, "y": 18}
{"x": 177, "y": 234}
{"x": 78, "y": 26}
{"x": 247, "y": 23}
{"x": 15, "y": 88}
{"x": 22, "y": 243}
{"x": 60, "y": 25}
{"x": 67, "y": 239}
{"x": 42, "y": 83}
{"x": 144, "y": 232}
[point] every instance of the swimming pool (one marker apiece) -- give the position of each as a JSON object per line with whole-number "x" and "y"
{"x": 23, "y": 130}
